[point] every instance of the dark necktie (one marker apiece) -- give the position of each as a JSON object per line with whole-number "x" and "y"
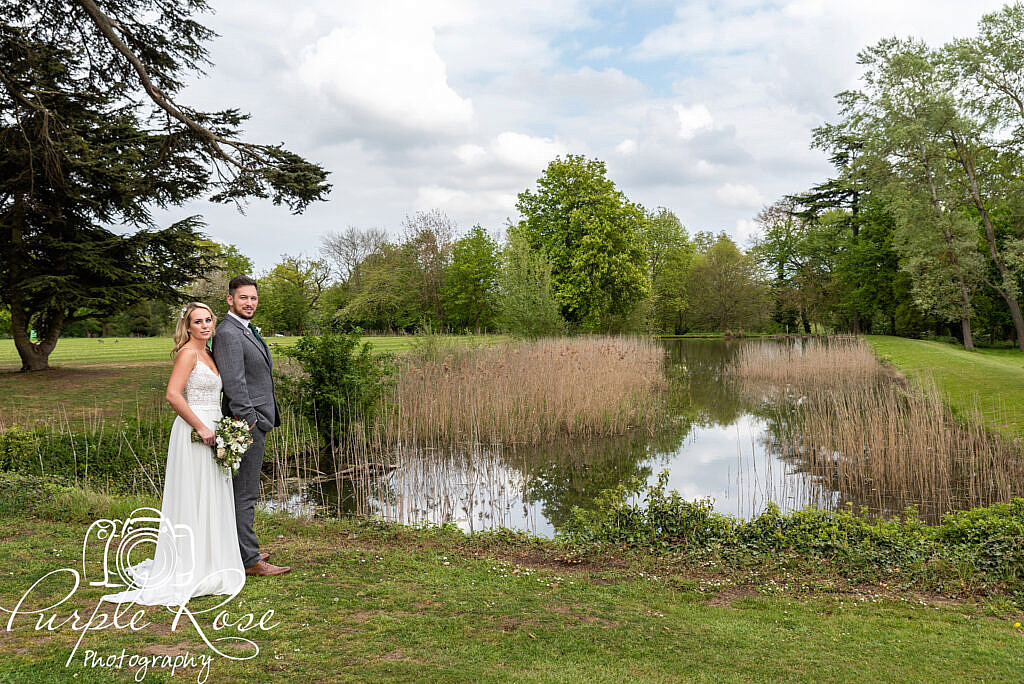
{"x": 253, "y": 328}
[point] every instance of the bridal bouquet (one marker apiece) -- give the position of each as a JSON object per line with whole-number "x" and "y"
{"x": 233, "y": 440}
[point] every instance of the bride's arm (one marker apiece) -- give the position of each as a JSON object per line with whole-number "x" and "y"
{"x": 183, "y": 365}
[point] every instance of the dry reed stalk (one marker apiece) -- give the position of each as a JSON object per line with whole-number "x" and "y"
{"x": 529, "y": 392}
{"x": 838, "y": 362}
{"x": 880, "y": 443}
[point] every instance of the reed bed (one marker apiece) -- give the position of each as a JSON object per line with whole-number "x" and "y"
{"x": 879, "y": 442}
{"x": 839, "y": 362}
{"x": 528, "y": 393}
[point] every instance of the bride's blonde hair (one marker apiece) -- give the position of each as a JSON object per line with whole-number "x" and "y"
{"x": 181, "y": 334}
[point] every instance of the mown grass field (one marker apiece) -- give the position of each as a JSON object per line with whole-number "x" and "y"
{"x": 117, "y": 376}
{"x": 989, "y": 379}
{"x": 376, "y": 602}
{"x": 76, "y": 351}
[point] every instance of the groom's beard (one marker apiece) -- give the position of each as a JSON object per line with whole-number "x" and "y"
{"x": 242, "y": 314}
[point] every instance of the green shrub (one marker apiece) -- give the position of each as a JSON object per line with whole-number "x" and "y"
{"x": 981, "y": 548}
{"x": 342, "y": 383}
{"x": 129, "y": 457}
{"x": 17, "y": 448}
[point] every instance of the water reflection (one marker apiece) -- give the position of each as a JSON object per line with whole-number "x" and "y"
{"x": 717, "y": 441}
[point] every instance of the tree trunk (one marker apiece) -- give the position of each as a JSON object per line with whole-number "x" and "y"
{"x": 965, "y": 326}
{"x": 965, "y": 319}
{"x": 965, "y": 295}
{"x": 967, "y": 162}
{"x": 35, "y": 356}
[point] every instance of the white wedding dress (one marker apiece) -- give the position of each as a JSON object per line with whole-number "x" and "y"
{"x": 197, "y": 545}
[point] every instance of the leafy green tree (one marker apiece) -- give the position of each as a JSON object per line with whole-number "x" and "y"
{"x": 527, "y": 306}
{"x": 471, "y": 282}
{"x": 430, "y": 235}
{"x": 866, "y": 268}
{"x": 212, "y": 288}
{"x": 988, "y": 139}
{"x": 799, "y": 255}
{"x": 724, "y": 289}
{"x": 670, "y": 254}
{"x": 592, "y": 236}
{"x": 82, "y": 150}
{"x": 908, "y": 118}
{"x": 290, "y": 292}
{"x": 386, "y": 298}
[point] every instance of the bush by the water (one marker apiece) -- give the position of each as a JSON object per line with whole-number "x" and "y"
{"x": 977, "y": 550}
{"x": 341, "y": 383}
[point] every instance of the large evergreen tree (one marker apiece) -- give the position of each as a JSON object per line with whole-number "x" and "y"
{"x": 91, "y": 135}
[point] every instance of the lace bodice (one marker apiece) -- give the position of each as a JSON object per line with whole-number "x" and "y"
{"x": 202, "y": 390}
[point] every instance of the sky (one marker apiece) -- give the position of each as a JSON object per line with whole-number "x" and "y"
{"x": 705, "y": 108}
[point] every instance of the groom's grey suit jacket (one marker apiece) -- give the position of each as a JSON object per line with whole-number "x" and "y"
{"x": 246, "y": 369}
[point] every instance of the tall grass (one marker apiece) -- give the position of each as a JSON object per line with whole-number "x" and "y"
{"x": 836, "y": 362}
{"x": 527, "y": 392}
{"x": 879, "y": 441}
{"x": 440, "y": 449}
{"x": 439, "y": 452}
{"x": 126, "y": 453}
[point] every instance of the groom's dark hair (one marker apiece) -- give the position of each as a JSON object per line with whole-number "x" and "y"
{"x": 240, "y": 281}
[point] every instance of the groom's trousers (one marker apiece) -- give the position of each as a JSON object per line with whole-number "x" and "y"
{"x": 247, "y": 490}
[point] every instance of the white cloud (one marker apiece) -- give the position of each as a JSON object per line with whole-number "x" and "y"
{"x": 704, "y": 169}
{"x": 692, "y": 120}
{"x": 745, "y": 231}
{"x": 383, "y": 63}
{"x": 739, "y": 196}
{"x": 599, "y": 52}
{"x": 626, "y": 147}
{"x": 525, "y": 152}
{"x": 458, "y": 202}
{"x": 460, "y": 104}
{"x": 598, "y": 89}
{"x": 470, "y": 154}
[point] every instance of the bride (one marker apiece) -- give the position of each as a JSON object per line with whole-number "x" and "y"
{"x": 197, "y": 545}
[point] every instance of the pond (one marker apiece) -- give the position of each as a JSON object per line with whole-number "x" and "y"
{"x": 720, "y": 441}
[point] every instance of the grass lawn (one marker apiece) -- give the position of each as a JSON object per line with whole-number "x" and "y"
{"x": 374, "y": 602}
{"x": 992, "y": 379}
{"x": 115, "y": 376}
{"x": 78, "y": 351}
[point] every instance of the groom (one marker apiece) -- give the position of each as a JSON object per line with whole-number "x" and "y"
{"x": 246, "y": 369}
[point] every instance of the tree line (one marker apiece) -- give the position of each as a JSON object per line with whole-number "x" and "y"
{"x": 582, "y": 258}
{"x": 921, "y": 228}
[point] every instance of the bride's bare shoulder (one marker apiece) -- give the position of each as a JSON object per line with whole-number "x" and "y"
{"x": 185, "y": 358}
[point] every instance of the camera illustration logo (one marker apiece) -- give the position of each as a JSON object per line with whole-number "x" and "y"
{"x": 166, "y": 550}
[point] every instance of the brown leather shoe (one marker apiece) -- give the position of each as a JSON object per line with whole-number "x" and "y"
{"x": 265, "y": 555}
{"x": 265, "y": 569}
